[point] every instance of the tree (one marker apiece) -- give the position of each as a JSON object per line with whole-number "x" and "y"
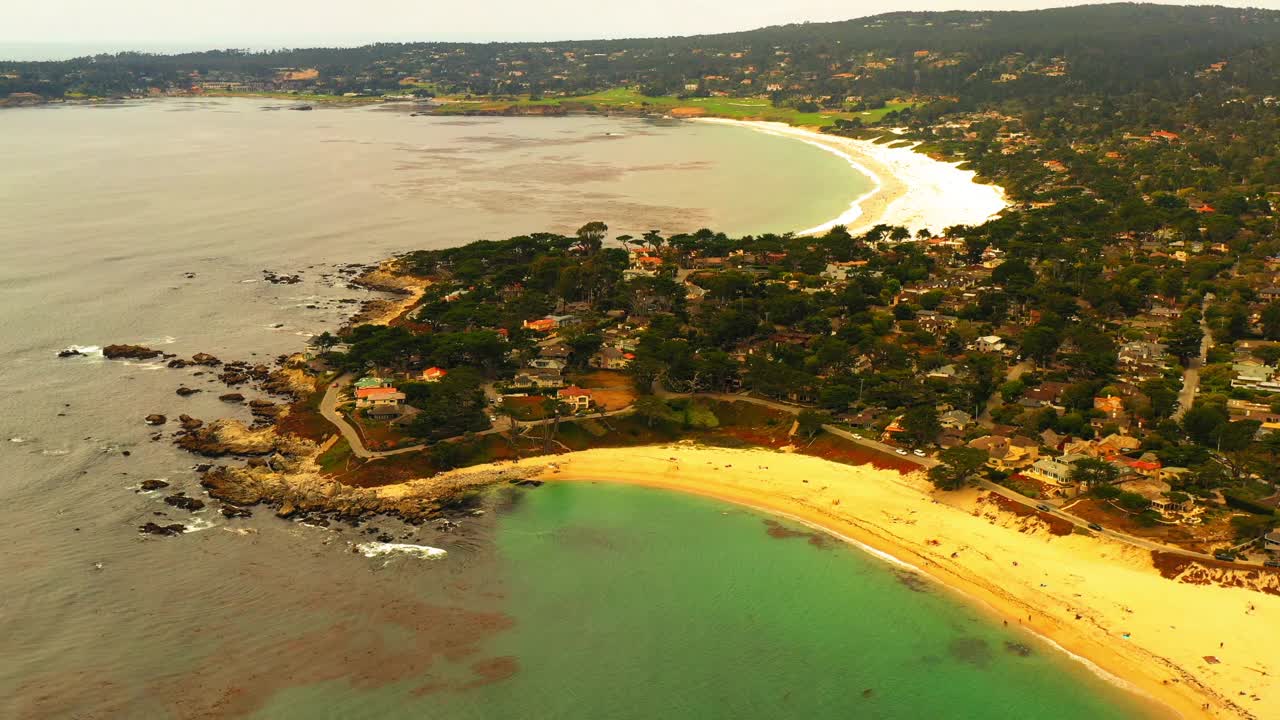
{"x": 1093, "y": 472}
{"x": 958, "y": 466}
{"x": 651, "y": 408}
{"x": 920, "y": 424}
{"x": 811, "y": 422}
{"x": 591, "y": 236}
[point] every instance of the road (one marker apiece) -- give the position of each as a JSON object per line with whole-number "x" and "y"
{"x": 1014, "y": 372}
{"x": 1191, "y": 376}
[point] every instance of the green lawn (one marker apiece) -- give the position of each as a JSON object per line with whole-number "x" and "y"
{"x": 630, "y": 99}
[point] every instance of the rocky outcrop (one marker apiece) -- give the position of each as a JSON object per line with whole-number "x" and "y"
{"x": 232, "y": 398}
{"x": 149, "y": 485}
{"x": 162, "y": 530}
{"x": 156, "y": 419}
{"x": 70, "y": 352}
{"x": 291, "y": 380}
{"x": 190, "y": 423}
{"x": 185, "y": 503}
{"x": 129, "y": 352}
{"x": 231, "y": 437}
{"x": 296, "y": 488}
{"x": 205, "y": 359}
{"x": 185, "y": 391}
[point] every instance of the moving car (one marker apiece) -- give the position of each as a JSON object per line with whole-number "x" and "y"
{"x": 1044, "y": 508}
{"x": 1224, "y": 556}
{"x": 1095, "y": 526}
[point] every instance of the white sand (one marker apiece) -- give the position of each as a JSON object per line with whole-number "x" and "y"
{"x": 909, "y": 189}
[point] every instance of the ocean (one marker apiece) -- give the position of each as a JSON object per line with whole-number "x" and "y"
{"x": 153, "y": 223}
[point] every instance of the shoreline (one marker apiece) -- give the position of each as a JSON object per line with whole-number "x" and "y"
{"x": 1115, "y": 616}
{"x": 909, "y": 189}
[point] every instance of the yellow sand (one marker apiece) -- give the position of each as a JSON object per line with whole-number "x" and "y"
{"x": 1011, "y": 564}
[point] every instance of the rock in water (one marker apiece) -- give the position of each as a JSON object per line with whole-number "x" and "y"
{"x": 162, "y": 530}
{"x": 156, "y": 419}
{"x": 184, "y": 391}
{"x": 69, "y": 352}
{"x": 185, "y": 503}
{"x": 129, "y": 352}
{"x": 153, "y": 484}
{"x": 190, "y": 423}
{"x": 205, "y": 359}
{"x": 232, "y": 398}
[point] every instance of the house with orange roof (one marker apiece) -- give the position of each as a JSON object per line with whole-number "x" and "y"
{"x": 576, "y": 397}
{"x": 434, "y": 374}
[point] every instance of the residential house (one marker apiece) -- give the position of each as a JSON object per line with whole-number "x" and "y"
{"x": 1057, "y": 470}
{"x": 1007, "y": 454}
{"x": 579, "y": 399}
{"x": 380, "y": 402}
{"x": 990, "y": 344}
{"x": 955, "y": 420}
{"x": 365, "y": 383}
{"x": 434, "y": 374}
{"x": 610, "y": 358}
{"x": 548, "y": 363}
{"x": 538, "y": 378}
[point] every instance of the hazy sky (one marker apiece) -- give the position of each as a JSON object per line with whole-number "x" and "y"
{"x": 101, "y": 25}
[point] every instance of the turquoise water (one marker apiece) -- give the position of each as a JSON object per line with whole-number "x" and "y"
{"x": 628, "y": 602}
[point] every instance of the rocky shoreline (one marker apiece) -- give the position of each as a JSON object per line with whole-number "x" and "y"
{"x": 279, "y": 470}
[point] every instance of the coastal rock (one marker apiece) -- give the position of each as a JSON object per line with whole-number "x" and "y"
{"x": 231, "y": 437}
{"x": 264, "y": 409}
{"x": 162, "y": 530}
{"x": 129, "y": 352}
{"x": 70, "y": 352}
{"x": 149, "y": 485}
{"x": 185, "y": 391}
{"x": 177, "y": 363}
{"x": 205, "y": 359}
{"x": 232, "y": 398}
{"x": 185, "y": 503}
{"x": 156, "y": 419}
{"x": 190, "y": 423}
{"x": 231, "y": 511}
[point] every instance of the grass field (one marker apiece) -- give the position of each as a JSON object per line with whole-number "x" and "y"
{"x": 628, "y": 99}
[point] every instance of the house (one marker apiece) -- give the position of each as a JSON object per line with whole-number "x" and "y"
{"x": 955, "y": 420}
{"x": 1111, "y": 405}
{"x": 989, "y": 344}
{"x": 380, "y": 401}
{"x": 434, "y": 374}
{"x": 542, "y": 325}
{"x": 1051, "y": 469}
{"x": 365, "y": 383}
{"x": 547, "y": 363}
{"x": 555, "y": 351}
{"x": 1158, "y": 494}
{"x": 538, "y": 378}
{"x": 1006, "y": 454}
{"x": 579, "y": 399}
{"x": 1140, "y": 351}
{"x": 611, "y": 359}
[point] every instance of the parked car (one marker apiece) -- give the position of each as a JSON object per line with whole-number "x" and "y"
{"x": 1224, "y": 556}
{"x": 901, "y": 451}
{"x": 1095, "y": 527}
{"x": 1272, "y": 563}
{"x": 1044, "y": 508}
{"x": 918, "y": 452}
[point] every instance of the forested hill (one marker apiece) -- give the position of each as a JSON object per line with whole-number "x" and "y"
{"x": 978, "y": 56}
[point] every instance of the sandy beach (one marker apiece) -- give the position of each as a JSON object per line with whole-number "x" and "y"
{"x": 1184, "y": 646}
{"x": 909, "y": 189}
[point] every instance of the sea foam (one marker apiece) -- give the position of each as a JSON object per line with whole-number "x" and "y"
{"x": 375, "y": 549}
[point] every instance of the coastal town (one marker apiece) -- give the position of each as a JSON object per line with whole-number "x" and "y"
{"x": 1037, "y": 361}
